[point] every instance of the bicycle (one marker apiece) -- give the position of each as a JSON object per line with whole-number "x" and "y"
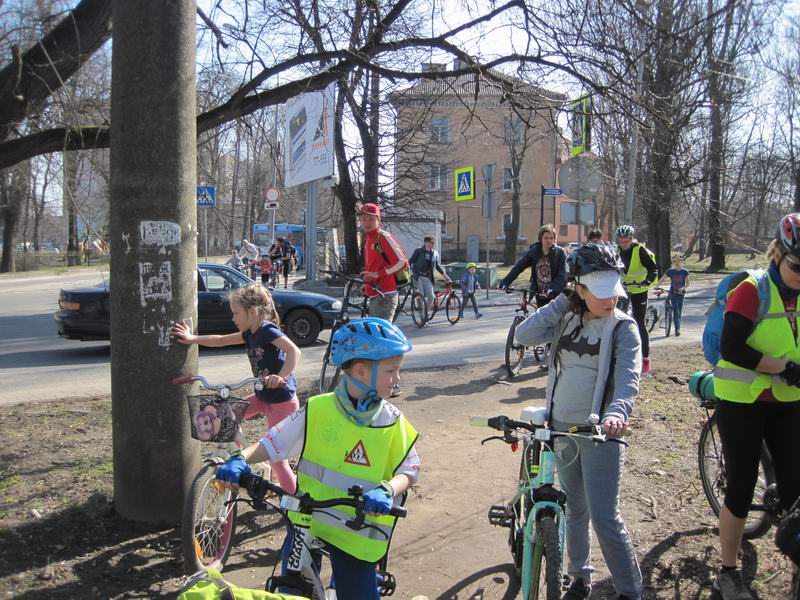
{"x": 663, "y": 314}
{"x": 416, "y": 305}
{"x": 765, "y": 510}
{"x": 447, "y": 298}
{"x": 535, "y": 514}
{"x": 515, "y": 353}
{"x": 209, "y": 520}
{"x": 329, "y": 373}
{"x": 302, "y": 564}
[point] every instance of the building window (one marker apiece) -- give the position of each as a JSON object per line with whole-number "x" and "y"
{"x": 508, "y": 179}
{"x": 513, "y": 128}
{"x": 438, "y": 179}
{"x": 440, "y": 133}
{"x": 563, "y": 230}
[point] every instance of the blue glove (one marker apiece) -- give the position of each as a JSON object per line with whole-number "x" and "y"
{"x": 378, "y": 501}
{"x": 233, "y": 469}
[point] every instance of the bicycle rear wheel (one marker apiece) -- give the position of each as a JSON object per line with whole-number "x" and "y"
{"x": 419, "y": 310}
{"x": 650, "y": 318}
{"x": 712, "y": 475}
{"x": 208, "y": 524}
{"x": 329, "y": 373}
{"x": 453, "y": 308}
{"x": 542, "y": 581}
{"x": 515, "y": 353}
{"x": 667, "y": 319}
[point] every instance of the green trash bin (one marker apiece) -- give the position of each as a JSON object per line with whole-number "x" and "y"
{"x": 455, "y": 271}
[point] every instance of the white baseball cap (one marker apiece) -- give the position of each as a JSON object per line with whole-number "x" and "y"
{"x": 603, "y": 284}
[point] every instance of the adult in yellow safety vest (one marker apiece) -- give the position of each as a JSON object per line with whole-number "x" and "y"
{"x": 346, "y": 438}
{"x": 640, "y": 274}
{"x": 758, "y": 382}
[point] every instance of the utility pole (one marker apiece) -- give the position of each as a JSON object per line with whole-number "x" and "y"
{"x": 153, "y": 254}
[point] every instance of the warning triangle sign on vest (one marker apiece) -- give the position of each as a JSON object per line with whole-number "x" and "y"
{"x": 463, "y": 184}
{"x": 358, "y": 455}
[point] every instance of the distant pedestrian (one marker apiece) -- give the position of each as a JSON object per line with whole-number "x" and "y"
{"x": 679, "y": 281}
{"x": 266, "y": 269}
{"x": 470, "y": 285}
{"x": 424, "y": 261}
{"x": 234, "y": 261}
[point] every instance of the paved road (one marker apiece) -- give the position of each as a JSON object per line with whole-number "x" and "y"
{"x": 35, "y": 363}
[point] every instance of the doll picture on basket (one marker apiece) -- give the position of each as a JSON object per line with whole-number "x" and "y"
{"x": 207, "y": 423}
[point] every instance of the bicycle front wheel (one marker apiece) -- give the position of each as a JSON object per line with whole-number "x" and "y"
{"x": 453, "y": 308}
{"x": 542, "y": 581}
{"x": 515, "y": 353}
{"x": 650, "y": 318}
{"x": 329, "y": 373}
{"x": 712, "y": 474}
{"x": 208, "y": 524}
{"x": 419, "y": 310}
{"x": 667, "y": 319}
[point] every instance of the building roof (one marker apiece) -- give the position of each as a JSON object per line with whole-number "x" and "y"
{"x": 496, "y": 86}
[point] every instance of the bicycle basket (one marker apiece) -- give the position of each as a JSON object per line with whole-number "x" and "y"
{"x": 215, "y": 419}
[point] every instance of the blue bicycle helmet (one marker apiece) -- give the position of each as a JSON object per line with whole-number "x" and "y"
{"x": 368, "y": 339}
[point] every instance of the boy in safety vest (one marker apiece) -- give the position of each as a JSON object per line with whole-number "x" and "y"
{"x": 349, "y": 437}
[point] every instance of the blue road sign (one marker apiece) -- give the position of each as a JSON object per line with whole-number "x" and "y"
{"x": 465, "y": 184}
{"x": 206, "y": 196}
{"x": 551, "y": 191}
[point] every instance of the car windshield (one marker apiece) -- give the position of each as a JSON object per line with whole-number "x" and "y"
{"x": 222, "y": 280}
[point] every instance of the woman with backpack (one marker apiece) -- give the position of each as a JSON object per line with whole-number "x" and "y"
{"x": 594, "y": 369}
{"x": 757, "y": 381}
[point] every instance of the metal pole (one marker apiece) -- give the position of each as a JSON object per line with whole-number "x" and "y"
{"x": 311, "y": 230}
{"x": 205, "y": 230}
{"x": 580, "y": 200}
{"x": 488, "y": 233}
{"x": 541, "y": 213}
{"x": 272, "y": 230}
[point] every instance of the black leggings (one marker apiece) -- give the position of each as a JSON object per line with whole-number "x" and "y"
{"x": 742, "y": 427}
{"x": 638, "y": 311}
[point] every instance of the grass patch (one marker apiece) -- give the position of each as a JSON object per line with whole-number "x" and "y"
{"x": 733, "y": 262}
{"x": 9, "y": 482}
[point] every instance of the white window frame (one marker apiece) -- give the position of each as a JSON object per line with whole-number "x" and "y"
{"x": 440, "y": 130}
{"x": 440, "y": 182}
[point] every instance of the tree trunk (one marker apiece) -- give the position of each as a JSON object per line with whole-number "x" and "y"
{"x": 11, "y": 207}
{"x": 796, "y": 172}
{"x": 39, "y": 207}
{"x": 70, "y": 187}
{"x": 345, "y": 191}
{"x": 512, "y": 232}
{"x": 372, "y": 143}
{"x": 235, "y": 185}
{"x": 153, "y": 255}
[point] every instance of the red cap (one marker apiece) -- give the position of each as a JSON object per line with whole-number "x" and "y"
{"x": 370, "y": 209}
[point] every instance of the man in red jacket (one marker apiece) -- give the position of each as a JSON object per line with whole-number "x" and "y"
{"x": 383, "y": 258}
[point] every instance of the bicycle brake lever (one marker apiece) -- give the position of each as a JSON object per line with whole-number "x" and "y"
{"x": 493, "y": 437}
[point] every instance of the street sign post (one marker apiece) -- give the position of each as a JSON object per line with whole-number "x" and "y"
{"x": 488, "y": 210}
{"x": 272, "y": 196}
{"x": 464, "y": 188}
{"x": 206, "y": 198}
{"x": 547, "y": 192}
{"x": 581, "y": 180}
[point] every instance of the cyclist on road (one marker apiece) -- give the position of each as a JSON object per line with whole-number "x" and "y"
{"x": 639, "y": 276}
{"x": 424, "y": 260}
{"x": 383, "y": 258}
{"x": 678, "y": 282}
{"x": 249, "y": 253}
{"x": 349, "y": 437}
{"x": 757, "y": 380}
{"x": 548, "y": 267}
{"x": 596, "y": 358}
{"x": 273, "y": 357}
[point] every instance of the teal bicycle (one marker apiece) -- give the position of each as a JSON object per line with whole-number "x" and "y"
{"x": 535, "y": 514}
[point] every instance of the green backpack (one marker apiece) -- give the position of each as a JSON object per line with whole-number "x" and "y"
{"x": 209, "y": 585}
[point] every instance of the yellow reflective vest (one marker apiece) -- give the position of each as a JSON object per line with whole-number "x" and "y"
{"x": 773, "y": 336}
{"x": 339, "y": 454}
{"x": 636, "y": 272}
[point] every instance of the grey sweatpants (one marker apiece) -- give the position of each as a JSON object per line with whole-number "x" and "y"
{"x": 591, "y": 482}
{"x": 383, "y": 307}
{"x": 425, "y": 287}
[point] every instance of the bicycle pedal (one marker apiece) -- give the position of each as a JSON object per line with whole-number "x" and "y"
{"x": 386, "y": 583}
{"x": 499, "y": 515}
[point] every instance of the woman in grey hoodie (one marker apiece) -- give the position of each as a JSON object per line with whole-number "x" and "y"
{"x": 593, "y": 378}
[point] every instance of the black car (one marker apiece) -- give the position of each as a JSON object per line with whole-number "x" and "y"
{"x": 83, "y": 314}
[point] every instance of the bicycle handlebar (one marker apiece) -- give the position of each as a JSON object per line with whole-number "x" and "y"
{"x": 506, "y": 425}
{"x": 183, "y": 379}
{"x": 354, "y": 279}
{"x": 257, "y": 488}
{"x": 510, "y": 290}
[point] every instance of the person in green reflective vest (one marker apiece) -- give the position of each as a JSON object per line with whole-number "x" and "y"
{"x": 349, "y": 437}
{"x": 757, "y": 381}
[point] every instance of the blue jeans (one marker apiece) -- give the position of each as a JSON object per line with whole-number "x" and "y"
{"x": 676, "y": 300}
{"x": 353, "y": 578}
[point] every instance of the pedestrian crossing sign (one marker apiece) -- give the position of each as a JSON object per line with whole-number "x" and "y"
{"x": 464, "y": 187}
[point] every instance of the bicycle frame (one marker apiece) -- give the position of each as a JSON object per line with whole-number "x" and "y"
{"x": 440, "y": 298}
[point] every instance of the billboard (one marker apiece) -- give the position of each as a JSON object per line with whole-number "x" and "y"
{"x": 308, "y": 143}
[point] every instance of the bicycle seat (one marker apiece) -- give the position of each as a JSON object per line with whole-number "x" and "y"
{"x": 534, "y": 414}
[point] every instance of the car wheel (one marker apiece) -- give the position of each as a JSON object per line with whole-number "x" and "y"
{"x": 302, "y": 326}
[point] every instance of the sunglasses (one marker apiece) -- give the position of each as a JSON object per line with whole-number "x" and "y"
{"x": 793, "y": 265}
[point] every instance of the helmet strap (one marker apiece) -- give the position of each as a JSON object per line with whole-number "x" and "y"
{"x": 370, "y": 397}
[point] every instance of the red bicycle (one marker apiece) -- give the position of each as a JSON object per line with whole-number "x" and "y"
{"x": 447, "y": 299}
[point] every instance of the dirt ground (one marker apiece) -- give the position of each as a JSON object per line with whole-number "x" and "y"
{"x": 60, "y": 538}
